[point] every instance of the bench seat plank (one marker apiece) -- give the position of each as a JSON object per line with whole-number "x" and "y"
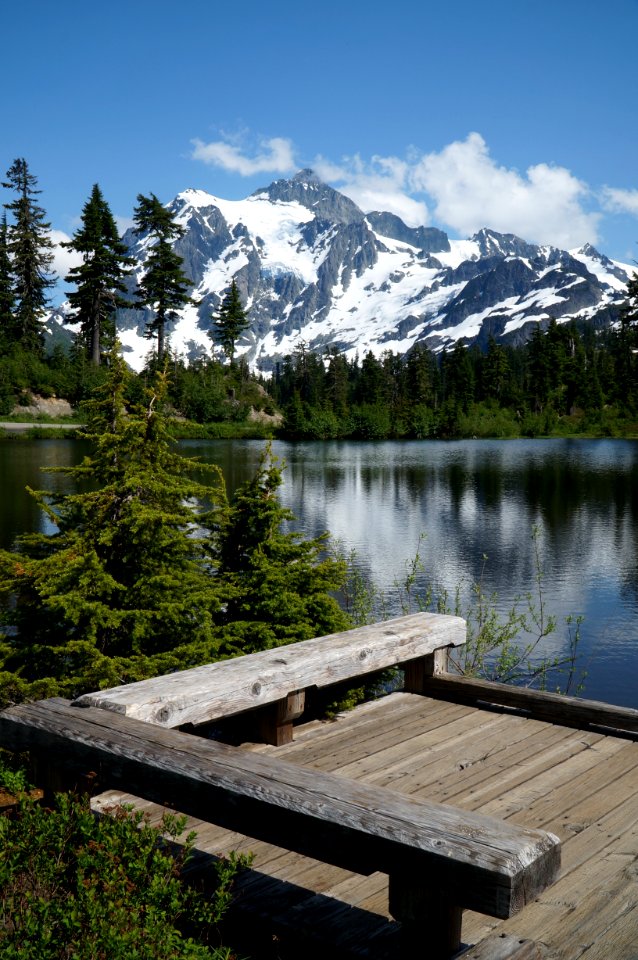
{"x": 207, "y": 693}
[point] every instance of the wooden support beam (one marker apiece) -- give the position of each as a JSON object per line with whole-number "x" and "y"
{"x": 275, "y": 720}
{"x": 418, "y": 672}
{"x": 53, "y": 777}
{"x": 430, "y": 921}
{"x": 552, "y": 707}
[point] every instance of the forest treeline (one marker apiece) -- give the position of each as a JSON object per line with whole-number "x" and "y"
{"x": 564, "y": 380}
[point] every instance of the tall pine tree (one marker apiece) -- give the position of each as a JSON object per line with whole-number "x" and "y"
{"x": 99, "y": 278}
{"x": 150, "y": 568}
{"x": 230, "y": 322}
{"x": 164, "y": 286}
{"x": 276, "y": 585}
{"x": 626, "y": 346}
{"x": 7, "y": 298}
{"x": 124, "y": 579}
{"x": 30, "y": 249}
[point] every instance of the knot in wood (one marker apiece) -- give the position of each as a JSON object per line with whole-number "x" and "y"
{"x": 364, "y": 654}
{"x": 256, "y": 689}
{"x": 164, "y": 714}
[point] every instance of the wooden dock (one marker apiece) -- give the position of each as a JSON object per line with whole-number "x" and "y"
{"x": 582, "y": 786}
{"x": 539, "y": 765}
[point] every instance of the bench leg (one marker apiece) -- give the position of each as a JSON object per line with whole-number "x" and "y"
{"x": 416, "y": 671}
{"x": 275, "y": 725}
{"x": 430, "y": 924}
{"x": 50, "y": 775}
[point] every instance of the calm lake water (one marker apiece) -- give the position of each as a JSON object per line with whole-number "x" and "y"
{"x": 471, "y": 499}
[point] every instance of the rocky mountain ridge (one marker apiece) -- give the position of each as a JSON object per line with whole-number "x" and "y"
{"x": 312, "y": 267}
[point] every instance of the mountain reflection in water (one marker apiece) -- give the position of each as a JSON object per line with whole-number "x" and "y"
{"x": 471, "y": 499}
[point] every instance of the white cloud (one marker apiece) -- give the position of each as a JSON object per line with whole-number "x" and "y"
{"x": 378, "y": 185}
{"x": 471, "y": 191}
{"x": 275, "y": 156}
{"x": 63, "y": 259}
{"x": 620, "y": 201}
{"x": 461, "y": 187}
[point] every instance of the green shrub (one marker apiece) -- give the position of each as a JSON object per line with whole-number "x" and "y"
{"x": 76, "y": 886}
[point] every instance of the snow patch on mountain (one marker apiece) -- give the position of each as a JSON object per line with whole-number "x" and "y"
{"x": 311, "y": 267}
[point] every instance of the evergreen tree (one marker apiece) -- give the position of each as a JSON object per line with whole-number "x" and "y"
{"x": 99, "y": 278}
{"x": 626, "y": 347}
{"x": 30, "y": 249}
{"x": 372, "y": 384}
{"x": 123, "y": 580}
{"x": 337, "y": 382}
{"x": 539, "y": 372}
{"x": 164, "y": 286}
{"x": 7, "y": 298}
{"x": 459, "y": 376}
{"x": 150, "y": 568}
{"x": 230, "y": 322}
{"x": 421, "y": 376}
{"x": 496, "y": 373}
{"x": 275, "y": 584}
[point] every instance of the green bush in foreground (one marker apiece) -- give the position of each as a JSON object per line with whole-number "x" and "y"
{"x": 76, "y": 886}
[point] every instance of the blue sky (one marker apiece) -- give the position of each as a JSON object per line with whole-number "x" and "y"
{"x": 516, "y": 115}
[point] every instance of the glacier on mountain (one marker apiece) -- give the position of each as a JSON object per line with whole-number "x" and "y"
{"x": 313, "y": 268}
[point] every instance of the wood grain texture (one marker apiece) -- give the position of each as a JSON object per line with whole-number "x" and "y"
{"x": 478, "y": 862}
{"x": 551, "y": 707}
{"x": 503, "y": 947}
{"x": 229, "y": 687}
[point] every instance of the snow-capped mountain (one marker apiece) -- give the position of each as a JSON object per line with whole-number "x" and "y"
{"x": 312, "y": 267}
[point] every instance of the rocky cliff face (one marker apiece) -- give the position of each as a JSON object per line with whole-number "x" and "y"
{"x": 312, "y": 267}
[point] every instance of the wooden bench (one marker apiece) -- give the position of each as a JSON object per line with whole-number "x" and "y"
{"x": 274, "y": 681}
{"x": 439, "y": 859}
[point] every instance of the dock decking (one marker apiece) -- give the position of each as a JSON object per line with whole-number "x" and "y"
{"x": 579, "y": 784}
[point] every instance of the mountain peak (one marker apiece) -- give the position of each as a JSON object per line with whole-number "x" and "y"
{"x": 491, "y": 243}
{"x": 308, "y": 175}
{"x": 427, "y": 239}
{"x": 194, "y": 198}
{"x": 310, "y": 191}
{"x": 588, "y": 250}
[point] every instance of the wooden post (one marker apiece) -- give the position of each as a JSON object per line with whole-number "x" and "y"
{"x": 430, "y": 923}
{"x": 418, "y": 671}
{"x": 275, "y": 721}
{"x": 51, "y": 776}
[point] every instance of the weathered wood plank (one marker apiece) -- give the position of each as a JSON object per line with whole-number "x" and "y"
{"x": 430, "y": 745}
{"x": 483, "y": 864}
{"x": 552, "y": 707}
{"x": 552, "y": 794}
{"x": 463, "y": 772}
{"x": 216, "y": 690}
{"x": 507, "y": 769}
{"x": 364, "y": 729}
{"x": 503, "y": 947}
{"x": 379, "y": 746}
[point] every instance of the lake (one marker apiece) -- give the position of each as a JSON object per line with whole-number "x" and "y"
{"x": 476, "y": 503}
